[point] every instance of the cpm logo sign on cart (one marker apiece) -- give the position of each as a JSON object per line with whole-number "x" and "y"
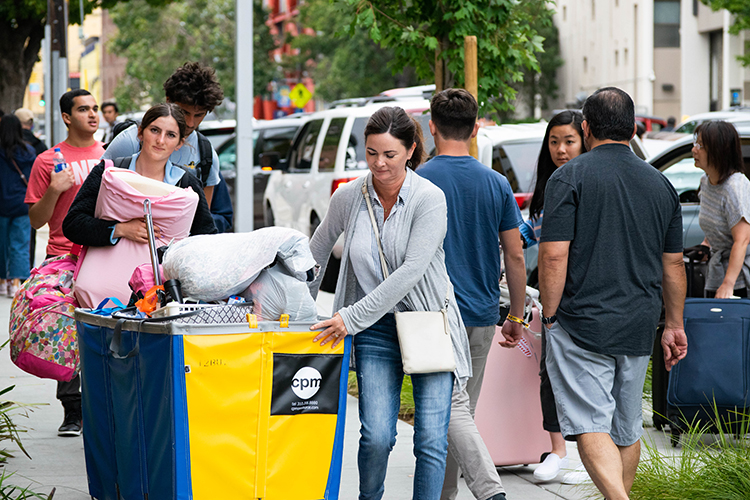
{"x": 305, "y": 383}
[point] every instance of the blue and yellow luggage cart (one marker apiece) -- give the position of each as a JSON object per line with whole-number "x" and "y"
{"x": 234, "y": 411}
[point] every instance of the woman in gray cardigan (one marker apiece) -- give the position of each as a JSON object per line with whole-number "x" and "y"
{"x": 411, "y": 214}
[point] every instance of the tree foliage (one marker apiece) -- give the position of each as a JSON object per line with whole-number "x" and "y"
{"x": 542, "y": 84}
{"x": 506, "y": 40}
{"x": 21, "y": 33}
{"x": 741, "y": 11}
{"x": 156, "y": 40}
{"x": 343, "y": 65}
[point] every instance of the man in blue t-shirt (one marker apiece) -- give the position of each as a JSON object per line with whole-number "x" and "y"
{"x": 482, "y": 213}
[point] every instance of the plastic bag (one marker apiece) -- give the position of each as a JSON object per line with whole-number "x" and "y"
{"x": 274, "y": 292}
{"x": 215, "y": 266}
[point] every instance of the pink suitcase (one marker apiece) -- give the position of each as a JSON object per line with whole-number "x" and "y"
{"x": 509, "y": 413}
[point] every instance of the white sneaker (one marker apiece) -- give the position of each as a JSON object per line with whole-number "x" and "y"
{"x": 577, "y": 476}
{"x": 550, "y": 468}
{"x": 12, "y": 289}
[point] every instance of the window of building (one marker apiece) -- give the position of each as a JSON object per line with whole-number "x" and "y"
{"x": 625, "y": 56}
{"x": 565, "y": 13}
{"x": 282, "y": 6}
{"x": 593, "y": 9}
{"x": 585, "y": 65}
{"x": 617, "y": 57}
{"x": 666, "y": 23}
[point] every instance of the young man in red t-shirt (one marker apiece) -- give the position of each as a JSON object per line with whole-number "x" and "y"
{"x": 49, "y": 196}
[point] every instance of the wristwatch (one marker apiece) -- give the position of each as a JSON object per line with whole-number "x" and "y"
{"x": 550, "y": 320}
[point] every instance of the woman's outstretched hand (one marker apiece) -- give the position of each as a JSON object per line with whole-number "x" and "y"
{"x": 334, "y": 330}
{"x": 134, "y": 230}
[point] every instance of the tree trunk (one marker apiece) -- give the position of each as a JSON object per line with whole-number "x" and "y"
{"x": 19, "y": 50}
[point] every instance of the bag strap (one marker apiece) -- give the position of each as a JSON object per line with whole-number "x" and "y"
{"x": 206, "y": 158}
{"x": 102, "y": 311}
{"x": 116, "y": 343}
{"x": 184, "y": 182}
{"x": 23, "y": 177}
{"x": 383, "y": 263}
{"x": 121, "y": 162}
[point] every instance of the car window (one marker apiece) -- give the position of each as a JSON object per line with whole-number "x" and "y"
{"x": 278, "y": 140}
{"x": 227, "y": 153}
{"x": 517, "y": 162}
{"x": 228, "y": 156}
{"x": 684, "y": 175}
{"x": 302, "y": 155}
{"x": 331, "y": 145}
{"x": 687, "y": 128}
{"x": 355, "y": 151}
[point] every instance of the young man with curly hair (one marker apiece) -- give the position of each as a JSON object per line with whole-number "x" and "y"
{"x": 194, "y": 88}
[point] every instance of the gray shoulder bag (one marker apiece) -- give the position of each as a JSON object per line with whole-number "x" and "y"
{"x": 424, "y": 336}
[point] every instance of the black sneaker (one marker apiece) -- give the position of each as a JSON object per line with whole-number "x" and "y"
{"x": 71, "y": 425}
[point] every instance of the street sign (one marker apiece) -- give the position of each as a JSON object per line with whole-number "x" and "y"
{"x": 282, "y": 97}
{"x": 300, "y": 95}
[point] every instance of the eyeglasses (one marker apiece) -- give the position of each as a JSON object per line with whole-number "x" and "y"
{"x": 697, "y": 145}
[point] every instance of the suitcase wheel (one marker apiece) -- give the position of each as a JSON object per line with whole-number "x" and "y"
{"x": 675, "y": 438}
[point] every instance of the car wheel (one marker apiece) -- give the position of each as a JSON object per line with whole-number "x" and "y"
{"x": 268, "y": 216}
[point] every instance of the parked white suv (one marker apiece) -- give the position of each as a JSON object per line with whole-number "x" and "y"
{"x": 327, "y": 151}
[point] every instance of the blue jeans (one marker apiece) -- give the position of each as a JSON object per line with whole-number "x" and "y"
{"x": 15, "y": 234}
{"x": 379, "y": 376}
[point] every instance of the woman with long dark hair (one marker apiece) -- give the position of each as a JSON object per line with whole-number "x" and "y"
{"x": 563, "y": 141}
{"x": 113, "y": 227}
{"x": 16, "y": 159}
{"x": 725, "y": 208}
{"x": 410, "y": 213}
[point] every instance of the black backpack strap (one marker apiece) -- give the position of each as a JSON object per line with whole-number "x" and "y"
{"x": 184, "y": 180}
{"x": 203, "y": 168}
{"x": 122, "y": 162}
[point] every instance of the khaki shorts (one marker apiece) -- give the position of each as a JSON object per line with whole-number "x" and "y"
{"x": 595, "y": 392}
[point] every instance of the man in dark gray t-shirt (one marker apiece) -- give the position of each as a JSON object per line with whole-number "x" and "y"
{"x": 611, "y": 240}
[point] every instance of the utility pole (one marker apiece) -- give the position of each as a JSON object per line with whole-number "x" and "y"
{"x": 244, "y": 184}
{"x": 57, "y": 67}
{"x": 439, "y": 68}
{"x": 470, "y": 79}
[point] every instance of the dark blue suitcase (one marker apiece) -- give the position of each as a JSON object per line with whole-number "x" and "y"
{"x": 715, "y": 374}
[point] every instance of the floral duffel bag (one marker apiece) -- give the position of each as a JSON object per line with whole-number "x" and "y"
{"x": 42, "y": 325}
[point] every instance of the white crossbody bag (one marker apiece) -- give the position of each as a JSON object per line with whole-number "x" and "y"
{"x": 424, "y": 336}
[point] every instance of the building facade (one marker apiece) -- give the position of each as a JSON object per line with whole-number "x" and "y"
{"x": 674, "y": 57}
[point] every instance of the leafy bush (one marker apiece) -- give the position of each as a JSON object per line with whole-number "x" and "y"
{"x": 9, "y": 431}
{"x": 706, "y": 468}
{"x": 9, "y": 491}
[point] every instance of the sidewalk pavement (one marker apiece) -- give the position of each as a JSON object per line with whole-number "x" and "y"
{"x": 59, "y": 462}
